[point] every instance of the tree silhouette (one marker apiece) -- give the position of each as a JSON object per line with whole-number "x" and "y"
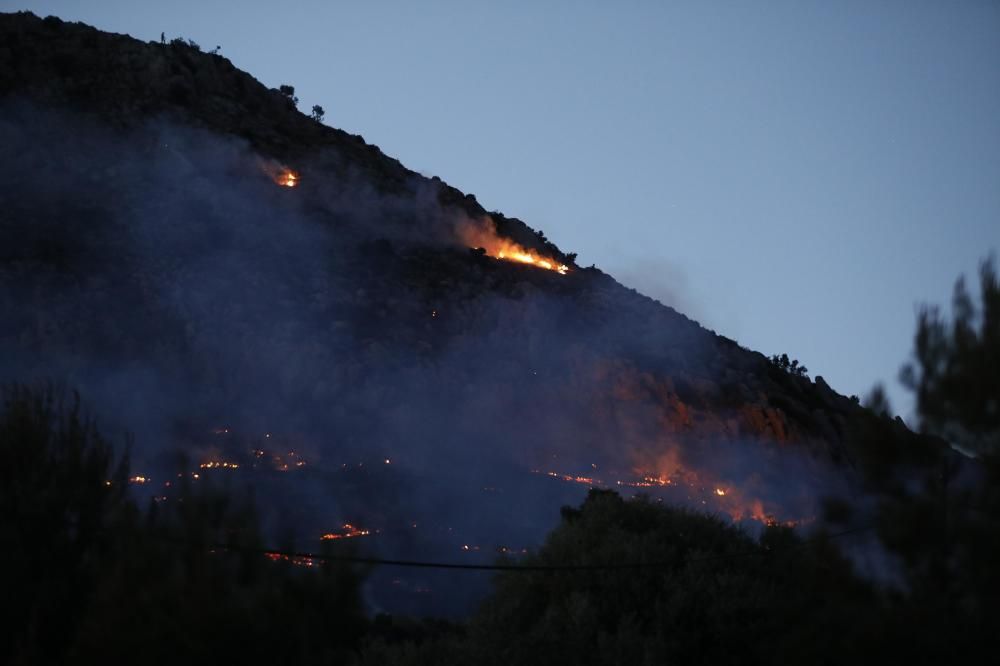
{"x": 89, "y": 578}
{"x": 61, "y": 490}
{"x": 289, "y": 93}
{"x": 955, "y": 372}
{"x": 789, "y": 366}
{"x": 941, "y": 525}
{"x": 715, "y": 595}
{"x": 878, "y": 401}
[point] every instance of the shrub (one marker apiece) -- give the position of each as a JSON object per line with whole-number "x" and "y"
{"x": 792, "y": 367}
{"x": 289, "y": 93}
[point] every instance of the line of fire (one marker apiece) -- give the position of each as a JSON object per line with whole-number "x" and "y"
{"x": 477, "y": 235}
{"x": 483, "y": 235}
{"x": 683, "y": 486}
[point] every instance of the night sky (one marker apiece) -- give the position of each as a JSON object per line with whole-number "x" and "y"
{"x": 799, "y": 177}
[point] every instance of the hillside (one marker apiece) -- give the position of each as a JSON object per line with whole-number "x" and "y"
{"x": 360, "y": 348}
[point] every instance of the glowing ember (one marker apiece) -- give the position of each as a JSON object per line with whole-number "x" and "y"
{"x": 279, "y": 173}
{"x": 297, "y": 560}
{"x": 485, "y": 236}
{"x": 684, "y": 485}
{"x": 287, "y": 178}
{"x": 288, "y": 462}
{"x": 348, "y": 531}
{"x": 585, "y": 480}
{"x": 647, "y": 482}
{"x": 218, "y": 464}
{"x": 504, "y": 550}
{"x": 138, "y": 480}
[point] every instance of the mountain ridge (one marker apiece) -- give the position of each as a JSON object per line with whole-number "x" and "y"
{"x": 60, "y": 63}
{"x": 148, "y": 256}
{"x": 125, "y": 81}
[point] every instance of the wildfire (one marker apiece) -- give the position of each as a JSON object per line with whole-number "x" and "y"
{"x": 584, "y": 480}
{"x": 686, "y": 485}
{"x": 279, "y": 173}
{"x": 286, "y": 463}
{"x": 218, "y": 464}
{"x": 647, "y": 482}
{"x": 348, "y": 531}
{"x": 485, "y": 236}
{"x": 297, "y": 560}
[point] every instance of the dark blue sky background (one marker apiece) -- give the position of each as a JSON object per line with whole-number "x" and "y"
{"x": 798, "y": 176}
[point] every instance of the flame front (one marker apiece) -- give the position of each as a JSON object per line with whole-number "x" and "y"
{"x": 484, "y": 235}
{"x": 287, "y": 178}
{"x": 218, "y": 464}
{"x": 692, "y": 487}
{"x": 348, "y": 531}
{"x": 281, "y": 175}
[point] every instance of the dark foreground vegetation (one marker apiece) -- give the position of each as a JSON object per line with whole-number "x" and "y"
{"x": 89, "y": 575}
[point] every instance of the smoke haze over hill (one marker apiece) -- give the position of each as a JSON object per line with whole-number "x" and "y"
{"x": 345, "y": 344}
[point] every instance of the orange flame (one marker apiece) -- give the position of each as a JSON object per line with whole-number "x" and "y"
{"x": 729, "y": 500}
{"x": 218, "y": 464}
{"x": 297, "y": 560}
{"x": 281, "y": 175}
{"x": 287, "y": 178}
{"x": 348, "y": 531}
{"x": 484, "y": 235}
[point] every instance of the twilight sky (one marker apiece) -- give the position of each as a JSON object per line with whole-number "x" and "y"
{"x": 797, "y": 176}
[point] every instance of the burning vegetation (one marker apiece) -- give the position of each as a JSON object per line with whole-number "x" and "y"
{"x": 688, "y": 487}
{"x": 347, "y": 531}
{"x": 279, "y": 173}
{"x": 284, "y": 463}
{"x": 297, "y": 560}
{"x": 287, "y": 178}
{"x": 218, "y": 464}
{"x": 484, "y": 235}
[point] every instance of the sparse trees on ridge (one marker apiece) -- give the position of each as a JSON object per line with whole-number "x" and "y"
{"x": 790, "y": 366}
